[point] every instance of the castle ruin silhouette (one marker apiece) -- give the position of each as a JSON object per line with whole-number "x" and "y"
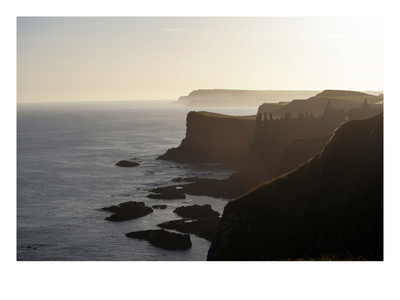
{"x": 273, "y": 134}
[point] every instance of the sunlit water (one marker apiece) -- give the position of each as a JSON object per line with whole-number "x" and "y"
{"x": 66, "y": 155}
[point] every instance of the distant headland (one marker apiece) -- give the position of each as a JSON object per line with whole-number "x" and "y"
{"x": 231, "y": 97}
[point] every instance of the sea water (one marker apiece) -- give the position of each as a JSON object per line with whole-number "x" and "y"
{"x": 66, "y": 156}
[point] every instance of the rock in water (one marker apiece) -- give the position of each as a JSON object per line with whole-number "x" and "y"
{"x": 197, "y": 212}
{"x": 160, "y": 206}
{"x": 128, "y": 211}
{"x": 170, "y": 192}
{"x": 127, "y": 163}
{"x": 204, "y": 228}
{"x": 163, "y": 239}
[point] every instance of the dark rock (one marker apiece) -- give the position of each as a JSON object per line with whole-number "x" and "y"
{"x": 128, "y": 211}
{"x": 160, "y": 206}
{"x": 178, "y": 179}
{"x": 163, "y": 239}
{"x": 197, "y": 212}
{"x": 331, "y": 207}
{"x": 218, "y": 188}
{"x": 192, "y": 179}
{"x": 299, "y": 151}
{"x": 214, "y": 138}
{"x": 204, "y": 228}
{"x": 127, "y": 163}
{"x": 170, "y": 192}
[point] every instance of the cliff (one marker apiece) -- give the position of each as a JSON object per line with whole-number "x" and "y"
{"x": 339, "y": 99}
{"x": 278, "y": 146}
{"x": 214, "y": 138}
{"x": 272, "y": 152}
{"x": 226, "y": 97}
{"x": 274, "y": 135}
{"x": 299, "y": 151}
{"x": 329, "y": 208}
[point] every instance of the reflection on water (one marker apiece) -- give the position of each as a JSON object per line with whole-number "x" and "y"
{"x": 66, "y": 155}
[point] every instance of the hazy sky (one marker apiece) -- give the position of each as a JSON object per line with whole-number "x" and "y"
{"x": 117, "y": 58}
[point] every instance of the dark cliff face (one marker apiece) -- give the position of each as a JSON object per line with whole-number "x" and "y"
{"x": 300, "y": 151}
{"x": 330, "y": 207}
{"x": 272, "y": 152}
{"x": 273, "y": 136}
{"x": 214, "y": 138}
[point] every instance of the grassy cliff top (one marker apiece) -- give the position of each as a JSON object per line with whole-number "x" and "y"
{"x": 348, "y": 95}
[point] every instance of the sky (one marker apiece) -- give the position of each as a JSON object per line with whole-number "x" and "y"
{"x": 148, "y": 58}
{"x": 66, "y": 60}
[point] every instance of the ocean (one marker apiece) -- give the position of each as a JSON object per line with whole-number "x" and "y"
{"x": 66, "y": 156}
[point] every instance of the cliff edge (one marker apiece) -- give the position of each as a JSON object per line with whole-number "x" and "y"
{"x": 329, "y": 208}
{"x": 214, "y": 138}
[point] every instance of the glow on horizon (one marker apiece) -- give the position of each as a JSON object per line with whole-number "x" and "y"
{"x": 143, "y": 58}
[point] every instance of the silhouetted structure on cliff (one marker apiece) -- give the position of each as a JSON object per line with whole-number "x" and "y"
{"x": 364, "y": 111}
{"x": 346, "y": 100}
{"x": 273, "y": 135}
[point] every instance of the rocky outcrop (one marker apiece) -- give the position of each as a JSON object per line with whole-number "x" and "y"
{"x": 214, "y": 138}
{"x": 200, "y": 220}
{"x": 204, "y": 228}
{"x": 163, "y": 239}
{"x": 330, "y": 207}
{"x": 127, "y": 163}
{"x": 167, "y": 193}
{"x": 128, "y": 211}
{"x": 196, "y": 212}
